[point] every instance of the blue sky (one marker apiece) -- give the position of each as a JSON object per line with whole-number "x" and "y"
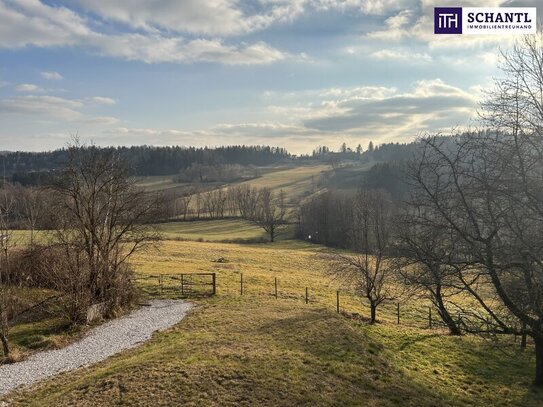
{"x": 294, "y": 73}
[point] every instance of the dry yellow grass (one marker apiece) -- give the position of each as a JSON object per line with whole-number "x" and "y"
{"x": 257, "y": 350}
{"x": 295, "y": 182}
{"x": 295, "y": 264}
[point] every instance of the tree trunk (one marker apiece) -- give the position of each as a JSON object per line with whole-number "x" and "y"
{"x": 373, "y": 310}
{"x": 449, "y": 321}
{"x": 538, "y": 381}
{"x": 5, "y": 344}
{"x": 272, "y": 234}
{"x": 445, "y": 315}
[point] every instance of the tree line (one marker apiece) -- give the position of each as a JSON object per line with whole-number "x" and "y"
{"x": 141, "y": 160}
{"x": 261, "y": 206}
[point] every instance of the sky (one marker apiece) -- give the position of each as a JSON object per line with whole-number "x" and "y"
{"x": 289, "y": 73}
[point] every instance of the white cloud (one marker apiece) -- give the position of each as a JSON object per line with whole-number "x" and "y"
{"x": 155, "y": 28}
{"x": 102, "y": 100}
{"x": 331, "y": 116}
{"x": 28, "y": 87}
{"x": 51, "y": 76}
{"x": 225, "y": 17}
{"x": 153, "y": 136}
{"x": 37, "y": 107}
{"x": 401, "y": 55}
{"x": 210, "y": 17}
{"x": 429, "y": 106}
{"x": 26, "y": 23}
{"x": 374, "y": 7}
{"x": 50, "y": 106}
{"x": 260, "y": 130}
{"x": 411, "y": 26}
{"x": 30, "y": 22}
{"x": 154, "y": 49}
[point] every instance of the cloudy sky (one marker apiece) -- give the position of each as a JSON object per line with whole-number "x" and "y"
{"x": 294, "y": 73}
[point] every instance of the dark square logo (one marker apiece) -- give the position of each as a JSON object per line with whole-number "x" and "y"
{"x": 448, "y": 20}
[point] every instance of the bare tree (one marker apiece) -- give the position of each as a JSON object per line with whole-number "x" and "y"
{"x": 486, "y": 188}
{"x": 427, "y": 261}
{"x": 31, "y": 200}
{"x": 101, "y": 222}
{"x": 214, "y": 203}
{"x": 185, "y": 200}
{"x": 270, "y": 212}
{"x": 198, "y": 204}
{"x": 370, "y": 272}
{"x": 246, "y": 200}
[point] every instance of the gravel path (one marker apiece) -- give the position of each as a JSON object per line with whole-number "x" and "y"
{"x": 100, "y": 343}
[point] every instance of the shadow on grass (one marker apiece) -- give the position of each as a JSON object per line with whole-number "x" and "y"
{"x": 416, "y": 339}
{"x": 476, "y": 371}
{"x": 329, "y": 339}
{"x": 39, "y": 335}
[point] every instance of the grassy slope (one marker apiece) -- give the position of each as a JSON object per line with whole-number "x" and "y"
{"x": 158, "y": 182}
{"x": 256, "y": 350}
{"x": 295, "y": 182}
{"x": 35, "y": 329}
{"x": 215, "y": 230}
{"x": 242, "y": 352}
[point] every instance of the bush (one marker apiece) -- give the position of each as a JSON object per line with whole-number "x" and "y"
{"x": 59, "y": 268}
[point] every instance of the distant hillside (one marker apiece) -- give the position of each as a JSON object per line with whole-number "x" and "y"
{"x": 350, "y": 168}
{"x": 147, "y": 160}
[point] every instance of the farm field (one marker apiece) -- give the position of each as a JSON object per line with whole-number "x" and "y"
{"x": 311, "y": 354}
{"x": 223, "y": 230}
{"x": 293, "y": 180}
{"x": 297, "y": 182}
{"x": 158, "y": 182}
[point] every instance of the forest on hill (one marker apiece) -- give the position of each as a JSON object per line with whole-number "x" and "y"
{"x": 38, "y": 168}
{"x": 149, "y": 160}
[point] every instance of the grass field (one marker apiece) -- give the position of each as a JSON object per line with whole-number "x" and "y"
{"x": 158, "y": 182}
{"x": 297, "y": 183}
{"x": 258, "y": 350}
{"x": 223, "y": 230}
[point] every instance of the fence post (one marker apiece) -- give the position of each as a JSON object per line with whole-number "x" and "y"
{"x": 182, "y": 285}
{"x": 306, "y": 296}
{"x": 275, "y": 287}
{"x": 337, "y": 301}
{"x": 430, "y": 317}
{"x": 214, "y": 284}
{"x": 241, "y": 284}
{"x": 523, "y": 337}
{"x": 398, "y": 312}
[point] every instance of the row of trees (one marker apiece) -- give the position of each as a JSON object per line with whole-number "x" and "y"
{"x": 259, "y": 205}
